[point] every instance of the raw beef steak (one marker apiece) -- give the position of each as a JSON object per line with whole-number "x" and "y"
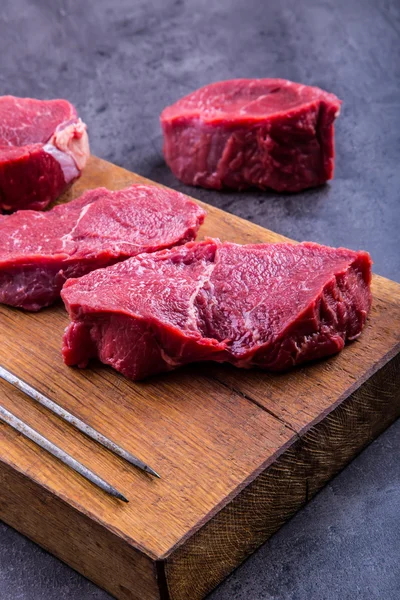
{"x": 265, "y": 133}
{"x": 43, "y": 148}
{"x": 267, "y": 305}
{"x": 40, "y": 250}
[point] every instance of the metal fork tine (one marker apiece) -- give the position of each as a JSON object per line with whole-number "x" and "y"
{"x": 75, "y": 421}
{"x": 44, "y": 443}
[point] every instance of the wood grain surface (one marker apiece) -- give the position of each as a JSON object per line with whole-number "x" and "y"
{"x": 238, "y": 451}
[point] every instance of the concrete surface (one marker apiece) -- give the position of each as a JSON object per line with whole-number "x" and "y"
{"x": 121, "y": 62}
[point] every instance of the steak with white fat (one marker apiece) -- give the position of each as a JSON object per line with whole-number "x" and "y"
{"x": 43, "y": 148}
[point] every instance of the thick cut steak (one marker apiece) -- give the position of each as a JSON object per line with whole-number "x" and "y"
{"x": 43, "y": 148}
{"x": 267, "y": 305}
{"x": 265, "y": 133}
{"x": 40, "y": 250}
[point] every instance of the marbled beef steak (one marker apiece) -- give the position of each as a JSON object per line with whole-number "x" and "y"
{"x": 266, "y": 305}
{"x": 40, "y": 250}
{"x": 43, "y": 148}
{"x": 265, "y": 133}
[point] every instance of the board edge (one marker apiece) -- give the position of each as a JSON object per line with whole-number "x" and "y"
{"x": 295, "y": 471}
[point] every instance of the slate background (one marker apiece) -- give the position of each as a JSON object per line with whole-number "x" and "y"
{"x": 120, "y": 62}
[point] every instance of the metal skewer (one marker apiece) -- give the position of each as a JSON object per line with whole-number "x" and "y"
{"x": 67, "y": 416}
{"x": 41, "y": 441}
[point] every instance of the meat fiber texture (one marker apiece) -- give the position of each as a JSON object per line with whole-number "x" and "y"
{"x": 243, "y": 133}
{"x": 43, "y": 148}
{"x": 39, "y": 251}
{"x": 265, "y": 305}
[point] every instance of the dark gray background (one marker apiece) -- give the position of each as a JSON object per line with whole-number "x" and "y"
{"x": 120, "y": 62}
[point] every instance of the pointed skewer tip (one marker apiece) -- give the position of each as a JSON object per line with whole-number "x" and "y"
{"x": 152, "y": 472}
{"x": 121, "y": 497}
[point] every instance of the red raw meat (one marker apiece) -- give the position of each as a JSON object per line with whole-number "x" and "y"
{"x": 40, "y": 250}
{"x": 266, "y": 305}
{"x": 43, "y": 148}
{"x": 265, "y": 133}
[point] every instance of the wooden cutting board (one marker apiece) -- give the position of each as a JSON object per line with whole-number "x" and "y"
{"x": 239, "y": 452}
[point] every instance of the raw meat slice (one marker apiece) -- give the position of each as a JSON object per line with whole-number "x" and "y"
{"x": 267, "y": 305}
{"x": 43, "y": 148}
{"x": 265, "y": 133}
{"x": 40, "y": 250}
